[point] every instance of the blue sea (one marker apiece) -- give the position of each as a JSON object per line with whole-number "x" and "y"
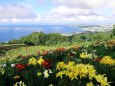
{"x": 9, "y": 32}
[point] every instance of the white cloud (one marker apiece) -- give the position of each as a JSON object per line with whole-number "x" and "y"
{"x": 113, "y": 13}
{"x": 66, "y": 14}
{"x": 64, "y": 11}
{"x": 87, "y": 3}
{"x": 81, "y": 11}
{"x": 15, "y": 12}
{"x": 92, "y": 18}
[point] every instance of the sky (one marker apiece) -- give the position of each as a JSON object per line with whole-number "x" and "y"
{"x": 57, "y": 11}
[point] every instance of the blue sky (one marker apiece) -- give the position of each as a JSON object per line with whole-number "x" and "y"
{"x": 57, "y": 11}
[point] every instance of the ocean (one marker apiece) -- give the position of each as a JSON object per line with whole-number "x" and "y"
{"x": 9, "y": 32}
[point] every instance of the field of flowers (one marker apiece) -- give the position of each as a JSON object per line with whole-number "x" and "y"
{"x": 92, "y": 65}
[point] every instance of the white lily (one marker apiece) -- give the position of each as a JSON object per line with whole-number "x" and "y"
{"x": 50, "y": 71}
{"x": 12, "y": 65}
{"x": 46, "y": 74}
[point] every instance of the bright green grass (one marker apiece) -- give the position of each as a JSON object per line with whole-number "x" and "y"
{"x": 32, "y": 50}
{"x": 28, "y": 50}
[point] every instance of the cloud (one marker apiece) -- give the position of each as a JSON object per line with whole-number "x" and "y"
{"x": 15, "y": 12}
{"x": 113, "y": 13}
{"x": 61, "y": 12}
{"x": 86, "y": 4}
{"x": 81, "y": 11}
{"x": 64, "y": 14}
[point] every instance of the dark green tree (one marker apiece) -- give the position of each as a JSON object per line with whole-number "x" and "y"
{"x": 84, "y": 38}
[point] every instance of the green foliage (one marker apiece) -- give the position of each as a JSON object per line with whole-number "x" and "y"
{"x": 55, "y": 38}
{"x": 40, "y": 38}
{"x": 34, "y": 39}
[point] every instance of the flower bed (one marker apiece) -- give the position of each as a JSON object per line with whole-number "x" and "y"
{"x": 76, "y": 66}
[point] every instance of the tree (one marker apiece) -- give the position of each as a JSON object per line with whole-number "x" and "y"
{"x": 97, "y": 37}
{"x": 40, "y": 38}
{"x": 55, "y": 38}
{"x": 84, "y": 38}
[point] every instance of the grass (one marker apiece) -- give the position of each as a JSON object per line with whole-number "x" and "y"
{"x": 6, "y": 47}
{"x": 14, "y": 52}
{"x": 27, "y": 50}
